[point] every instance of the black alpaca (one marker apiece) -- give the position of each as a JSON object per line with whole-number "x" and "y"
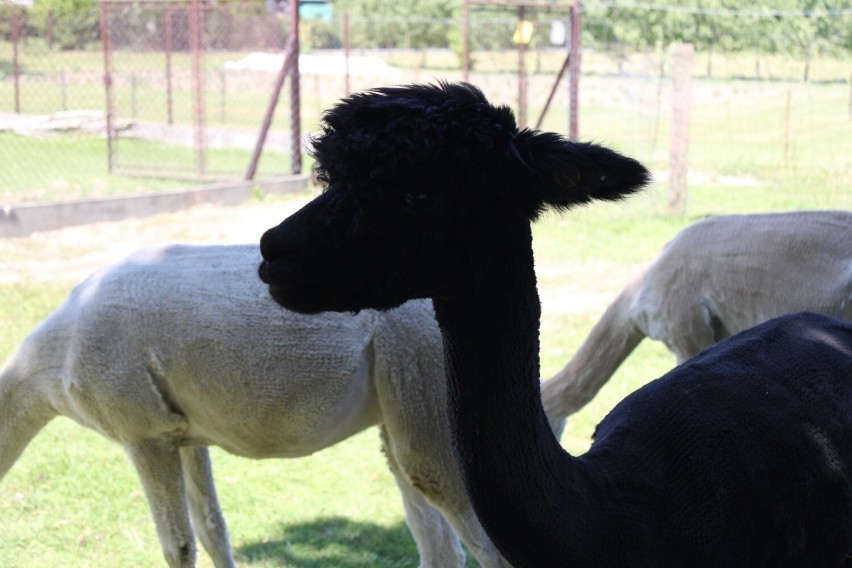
{"x": 739, "y": 458}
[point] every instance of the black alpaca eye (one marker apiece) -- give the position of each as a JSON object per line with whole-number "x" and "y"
{"x": 415, "y": 200}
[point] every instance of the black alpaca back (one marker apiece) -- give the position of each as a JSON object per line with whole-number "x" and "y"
{"x": 744, "y": 445}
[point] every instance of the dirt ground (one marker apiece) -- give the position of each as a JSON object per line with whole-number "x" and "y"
{"x": 71, "y": 253}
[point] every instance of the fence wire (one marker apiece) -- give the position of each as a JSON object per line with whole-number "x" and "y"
{"x": 180, "y": 88}
{"x": 755, "y": 109}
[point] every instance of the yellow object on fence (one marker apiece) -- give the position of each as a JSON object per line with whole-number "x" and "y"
{"x": 523, "y": 32}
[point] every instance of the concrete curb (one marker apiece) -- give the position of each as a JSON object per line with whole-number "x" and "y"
{"x": 22, "y": 219}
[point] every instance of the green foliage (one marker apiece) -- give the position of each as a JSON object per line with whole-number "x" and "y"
{"x": 318, "y": 34}
{"x": 792, "y": 27}
{"x": 796, "y": 28}
{"x": 32, "y": 302}
{"x": 71, "y": 24}
{"x": 389, "y": 23}
{"x": 804, "y": 29}
{"x": 25, "y": 23}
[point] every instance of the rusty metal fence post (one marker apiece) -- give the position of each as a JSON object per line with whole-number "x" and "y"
{"x": 295, "y": 106}
{"x": 289, "y": 55}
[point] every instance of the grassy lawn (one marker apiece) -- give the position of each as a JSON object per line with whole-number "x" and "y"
{"x": 75, "y": 167}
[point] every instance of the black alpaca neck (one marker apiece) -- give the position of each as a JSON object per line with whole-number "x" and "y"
{"x": 517, "y": 474}
{"x": 672, "y": 466}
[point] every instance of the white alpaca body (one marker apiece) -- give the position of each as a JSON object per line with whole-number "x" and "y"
{"x": 180, "y": 347}
{"x": 717, "y": 277}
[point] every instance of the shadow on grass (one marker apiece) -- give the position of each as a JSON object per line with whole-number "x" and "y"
{"x": 335, "y": 542}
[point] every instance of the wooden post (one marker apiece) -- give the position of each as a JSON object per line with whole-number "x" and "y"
{"x": 522, "y": 70}
{"x": 48, "y": 32}
{"x": 466, "y": 40}
{"x": 223, "y": 95}
{"x": 16, "y": 69}
{"x": 167, "y": 38}
{"x": 347, "y": 50}
{"x": 574, "y": 75}
{"x": 787, "y": 125}
{"x": 682, "y": 55}
{"x": 133, "y": 83}
{"x": 63, "y": 87}
{"x": 196, "y": 31}
{"x": 110, "y": 95}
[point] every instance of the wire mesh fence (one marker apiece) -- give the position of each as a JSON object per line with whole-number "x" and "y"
{"x": 51, "y": 82}
{"x": 758, "y": 112}
{"x": 182, "y": 107}
{"x": 188, "y": 108}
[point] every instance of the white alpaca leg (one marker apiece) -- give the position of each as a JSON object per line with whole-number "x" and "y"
{"x": 24, "y": 411}
{"x": 437, "y": 543}
{"x": 207, "y": 518}
{"x": 471, "y": 532}
{"x": 158, "y": 464}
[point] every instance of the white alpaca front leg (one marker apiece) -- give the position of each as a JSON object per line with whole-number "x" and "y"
{"x": 158, "y": 464}
{"x": 437, "y": 543}
{"x": 24, "y": 410}
{"x": 207, "y": 518}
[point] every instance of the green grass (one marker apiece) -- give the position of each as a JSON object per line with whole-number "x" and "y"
{"x": 74, "y": 500}
{"x": 22, "y": 307}
{"x": 75, "y": 167}
{"x": 62, "y": 167}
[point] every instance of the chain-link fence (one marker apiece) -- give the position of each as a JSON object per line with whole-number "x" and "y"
{"x": 183, "y": 106}
{"x": 177, "y": 87}
{"x": 759, "y": 110}
{"x": 762, "y": 112}
{"x": 51, "y": 105}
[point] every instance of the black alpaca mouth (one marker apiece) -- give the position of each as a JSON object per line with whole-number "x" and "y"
{"x": 296, "y": 295}
{"x": 263, "y": 272}
{"x": 279, "y": 291}
{"x": 296, "y": 300}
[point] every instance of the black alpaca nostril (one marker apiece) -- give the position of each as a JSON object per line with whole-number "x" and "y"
{"x": 266, "y": 244}
{"x": 280, "y": 242}
{"x": 263, "y": 272}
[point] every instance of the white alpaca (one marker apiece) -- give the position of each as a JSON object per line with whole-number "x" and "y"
{"x": 716, "y": 278}
{"x": 178, "y": 348}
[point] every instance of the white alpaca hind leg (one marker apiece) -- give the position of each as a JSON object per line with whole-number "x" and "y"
{"x": 437, "y": 543}
{"x": 158, "y": 464}
{"x": 207, "y": 518}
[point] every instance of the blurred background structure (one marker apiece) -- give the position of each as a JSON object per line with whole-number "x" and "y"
{"x": 129, "y": 96}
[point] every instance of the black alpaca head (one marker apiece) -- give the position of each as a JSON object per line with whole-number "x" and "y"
{"x": 419, "y": 178}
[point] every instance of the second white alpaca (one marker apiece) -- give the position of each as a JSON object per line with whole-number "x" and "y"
{"x": 177, "y": 348}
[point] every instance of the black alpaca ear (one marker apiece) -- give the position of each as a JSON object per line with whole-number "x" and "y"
{"x": 564, "y": 173}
